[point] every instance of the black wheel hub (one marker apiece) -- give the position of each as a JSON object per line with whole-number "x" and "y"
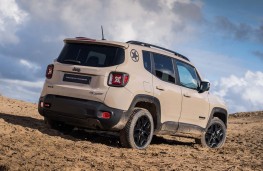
{"x": 214, "y": 135}
{"x": 142, "y": 131}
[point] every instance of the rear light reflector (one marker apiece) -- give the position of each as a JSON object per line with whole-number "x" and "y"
{"x": 49, "y": 71}
{"x": 47, "y": 105}
{"x": 106, "y": 115}
{"x": 117, "y": 79}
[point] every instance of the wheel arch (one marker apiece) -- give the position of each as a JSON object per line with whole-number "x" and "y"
{"x": 150, "y": 103}
{"x": 221, "y": 113}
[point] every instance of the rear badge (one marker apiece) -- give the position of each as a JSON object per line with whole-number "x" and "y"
{"x": 134, "y": 55}
{"x": 76, "y": 69}
{"x": 94, "y": 93}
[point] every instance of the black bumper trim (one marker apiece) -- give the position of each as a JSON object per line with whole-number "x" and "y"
{"x": 82, "y": 113}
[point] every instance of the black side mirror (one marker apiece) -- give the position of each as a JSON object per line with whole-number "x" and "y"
{"x": 204, "y": 86}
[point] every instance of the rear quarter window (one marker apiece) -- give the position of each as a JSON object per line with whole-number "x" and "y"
{"x": 91, "y": 55}
{"x": 147, "y": 61}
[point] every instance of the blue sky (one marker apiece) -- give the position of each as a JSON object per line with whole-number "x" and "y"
{"x": 224, "y": 39}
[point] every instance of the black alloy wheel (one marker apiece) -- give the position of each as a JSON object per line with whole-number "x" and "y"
{"x": 214, "y": 135}
{"x": 142, "y": 131}
{"x": 138, "y": 131}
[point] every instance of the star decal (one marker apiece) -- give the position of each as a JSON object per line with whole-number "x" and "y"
{"x": 134, "y": 55}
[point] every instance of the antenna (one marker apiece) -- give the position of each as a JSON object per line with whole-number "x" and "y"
{"x": 102, "y": 33}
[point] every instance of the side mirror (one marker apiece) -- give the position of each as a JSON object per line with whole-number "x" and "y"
{"x": 204, "y": 86}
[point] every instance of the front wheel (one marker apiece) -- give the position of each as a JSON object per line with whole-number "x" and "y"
{"x": 138, "y": 132}
{"x": 215, "y": 135}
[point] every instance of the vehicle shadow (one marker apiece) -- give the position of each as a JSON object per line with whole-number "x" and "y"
{"x": 79, "y": 134}
{"x": 3, "y": 167}
{"x": 75, "y": 135}
{"x": 161, "y": 140}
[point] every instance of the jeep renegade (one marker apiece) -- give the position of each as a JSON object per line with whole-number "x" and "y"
{"x": 135, "y": 89}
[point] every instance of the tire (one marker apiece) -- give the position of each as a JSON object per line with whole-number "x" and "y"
{"x": 215, "y": 135}
{"x": 138, "y": 131}
{"x": 59, "y": 126}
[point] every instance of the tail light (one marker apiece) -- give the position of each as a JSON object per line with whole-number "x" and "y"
{"x": 118, "y": 79}
{"x": 49, "y": 71}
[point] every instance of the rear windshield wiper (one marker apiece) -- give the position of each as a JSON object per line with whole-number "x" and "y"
{"x": 72, "y": 61}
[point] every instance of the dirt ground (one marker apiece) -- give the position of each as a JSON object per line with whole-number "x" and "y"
{"x": 27, "y": 144}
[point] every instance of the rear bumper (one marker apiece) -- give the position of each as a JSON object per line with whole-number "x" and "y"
{"x": 82, "y": 113}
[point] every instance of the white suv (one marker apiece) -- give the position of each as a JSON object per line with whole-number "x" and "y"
{"x": 134, "y": 88}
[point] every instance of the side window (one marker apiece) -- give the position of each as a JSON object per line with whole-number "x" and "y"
{"x": 187, "y": 75}
{"x": 164, "y": 68}
{"x": 147, "y": 61}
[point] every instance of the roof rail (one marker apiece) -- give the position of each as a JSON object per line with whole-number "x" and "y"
{"x": 158, "y": 47}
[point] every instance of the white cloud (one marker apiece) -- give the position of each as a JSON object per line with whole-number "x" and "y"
{"x": 23, "y": 90}
{"x": 242, "y": 93}
{"x": 152, "y": 21}
{"x": 214, "y": 65}
{"x": 45, "y": 23}
{"x": 11, "y": 17}
{"x": 29, "y": 65}
{"x": 27, "y": 84}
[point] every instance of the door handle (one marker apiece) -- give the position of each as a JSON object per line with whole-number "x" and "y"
{"x": 160, "y": 88}
{"x": 187, "y": 95}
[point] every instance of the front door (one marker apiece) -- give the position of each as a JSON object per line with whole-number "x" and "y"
{"x": 195, "y": 105}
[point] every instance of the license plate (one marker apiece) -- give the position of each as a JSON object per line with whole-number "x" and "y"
{"x": 77, "y": 78}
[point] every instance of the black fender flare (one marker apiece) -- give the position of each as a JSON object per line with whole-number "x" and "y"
{"x": 148, "y": 99}
{"x": 217, "y": 110}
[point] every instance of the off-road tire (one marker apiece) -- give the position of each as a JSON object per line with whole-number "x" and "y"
{"x": 215, "y": 134}
{"x": 138, "y": 131}
{"x": 59, "y": 126}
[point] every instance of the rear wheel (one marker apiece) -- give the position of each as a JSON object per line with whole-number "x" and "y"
{"x": 59, "y": 126}
{"x": 138, "y": 132}
{"x": 215, "y": 135}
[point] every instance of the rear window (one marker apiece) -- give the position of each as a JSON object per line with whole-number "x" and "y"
{"x": 91, "y": 55}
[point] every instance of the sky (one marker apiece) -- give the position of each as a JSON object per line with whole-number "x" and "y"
{"x": 224, "y": 39}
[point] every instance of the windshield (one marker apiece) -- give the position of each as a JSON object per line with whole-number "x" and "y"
{"x": 91, "y": 55}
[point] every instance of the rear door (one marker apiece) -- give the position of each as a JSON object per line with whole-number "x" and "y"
{"x": 82, "y": 70}
{"x": 165, "y": 89}
{"x": 148, "y": 77}
{"x": 195, "y": 105}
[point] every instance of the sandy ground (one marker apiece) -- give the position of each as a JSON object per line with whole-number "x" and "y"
{"x": 27, "y": 144}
